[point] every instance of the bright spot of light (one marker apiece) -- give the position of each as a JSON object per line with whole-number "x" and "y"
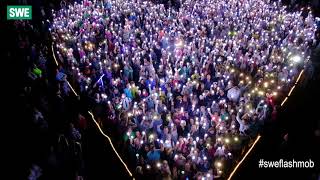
{"x": 296, "y": 59}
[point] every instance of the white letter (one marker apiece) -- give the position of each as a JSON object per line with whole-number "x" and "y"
{"x": 26, "y": 12}
{"x": 311, "y": 163}
{"x": 12, "y": 12}
{"x": 20, "y": 12}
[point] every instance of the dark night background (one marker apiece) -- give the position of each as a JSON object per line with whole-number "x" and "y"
{"x": 299, "y": 118}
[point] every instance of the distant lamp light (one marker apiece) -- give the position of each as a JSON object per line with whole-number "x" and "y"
{"x": 219, "y": 164}
{"x": 296, "y": 59}
{"x": 158, "y": 165}
{"x": 236, "y": 138}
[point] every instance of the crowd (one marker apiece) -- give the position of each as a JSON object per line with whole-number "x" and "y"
{"x": 49, "y": 127}
{"x": 188, "y": 87}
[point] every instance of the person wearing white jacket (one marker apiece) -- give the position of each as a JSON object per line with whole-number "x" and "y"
{"x": 244, "y": 125}
{"x": 234, "y": 93}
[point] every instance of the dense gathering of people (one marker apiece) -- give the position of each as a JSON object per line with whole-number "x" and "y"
{"x": 188, "y": 86}
{"x": 49, "y": 127}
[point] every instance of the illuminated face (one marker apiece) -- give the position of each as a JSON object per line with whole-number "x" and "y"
{"x": 166, "y": 130}
{"x": 146, "y": 148}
